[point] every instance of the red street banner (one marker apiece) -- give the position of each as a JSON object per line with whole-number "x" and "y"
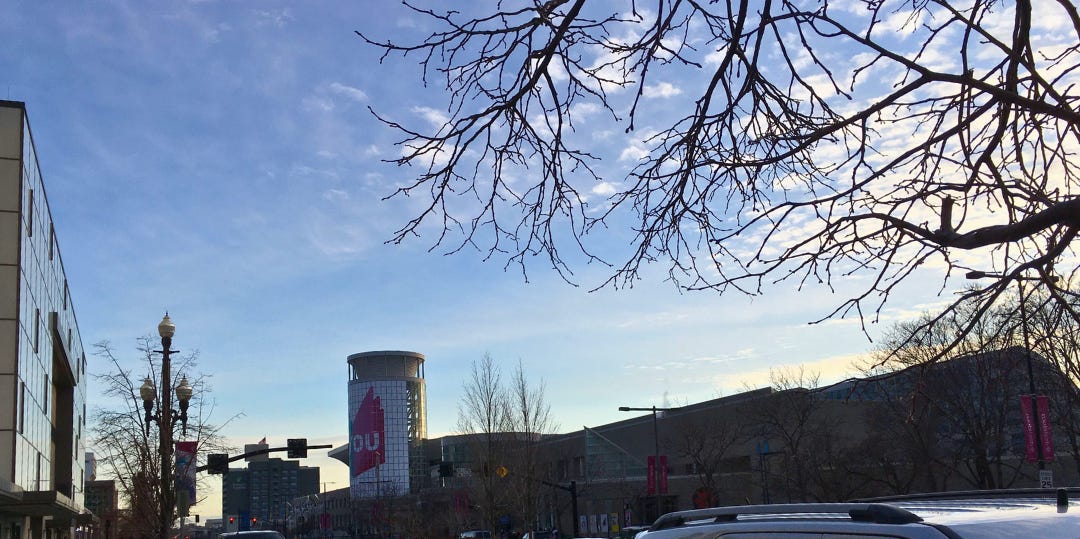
{"x": 1030, "y": 451}
{"x": 1044, "y": 427}
{"x": 651, "y": 481}
{"x": 663, "y": 474}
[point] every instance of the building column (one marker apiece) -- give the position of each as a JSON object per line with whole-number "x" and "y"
{"x": 35, "y": 528}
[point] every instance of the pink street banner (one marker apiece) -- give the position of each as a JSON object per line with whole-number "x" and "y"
{"x": 1030, "y": 451}
{"x": 650, "y": 483}
{"x": 1045, "y": 435}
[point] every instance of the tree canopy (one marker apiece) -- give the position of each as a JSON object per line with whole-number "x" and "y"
{"x": 767, "y": 141}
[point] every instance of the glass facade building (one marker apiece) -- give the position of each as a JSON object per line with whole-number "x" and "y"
{"x": 387, "y": 423}
{"x": 42, "y": 362}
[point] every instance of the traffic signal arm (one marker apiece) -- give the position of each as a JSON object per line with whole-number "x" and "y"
{"x": 206, "y": 467}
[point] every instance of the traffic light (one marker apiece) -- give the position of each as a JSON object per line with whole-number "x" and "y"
{"x": 297, "y": 448}
{"x": 446, "y": 469}
{"x": 217, "y": 463}
{"x": 232, "y": 520}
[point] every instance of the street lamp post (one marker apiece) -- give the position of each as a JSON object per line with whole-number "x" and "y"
{"x": 656, "y": 447}
{"x": 1027, "y": 355}
{"x": 166, "y": 419}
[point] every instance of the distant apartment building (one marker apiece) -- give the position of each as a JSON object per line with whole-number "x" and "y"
{"x": 102, "y": 501}
{"x": 259, "y": 495}
{"x": 42, "y": 362}
{"x": 90, "y": 467}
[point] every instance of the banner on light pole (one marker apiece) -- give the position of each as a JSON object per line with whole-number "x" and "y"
{"x": 185, "y": 475}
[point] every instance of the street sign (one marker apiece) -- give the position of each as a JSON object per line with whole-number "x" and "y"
{"x": 1046, "y": 479}
{"x": 501, "y": 471}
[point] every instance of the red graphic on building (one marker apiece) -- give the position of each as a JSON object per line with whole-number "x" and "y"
{"x": 368, "y": 434}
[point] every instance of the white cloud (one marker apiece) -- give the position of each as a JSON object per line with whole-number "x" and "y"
{"x": 277, "y": 18}
{"x": 634, "y": 152}
{"x": 335, "y": 195}
{"x": 316, "y": 103}
{"x": 604, "y": 189}
{"x": 436, "y": 118}
{"x": 355, "y": 94}
{"x": 662, "y": 90}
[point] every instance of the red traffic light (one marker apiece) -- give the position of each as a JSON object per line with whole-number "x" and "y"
{"x": 232, "y": 519}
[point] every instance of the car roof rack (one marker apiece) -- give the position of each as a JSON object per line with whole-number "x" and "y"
{"x": 1049, "y": 493}
{"x": 862, "y": 512}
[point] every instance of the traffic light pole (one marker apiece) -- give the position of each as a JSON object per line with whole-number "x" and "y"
{"x": 206, "y": 467}
{"x": 572, "y": 489}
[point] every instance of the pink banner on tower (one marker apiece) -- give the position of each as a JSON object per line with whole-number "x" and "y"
{"x": 368, "y": 434}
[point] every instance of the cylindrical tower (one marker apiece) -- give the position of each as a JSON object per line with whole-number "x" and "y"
{"x": 387, "y": 422}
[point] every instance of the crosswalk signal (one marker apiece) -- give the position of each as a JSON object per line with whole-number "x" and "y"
{"x": 297, "y": 448}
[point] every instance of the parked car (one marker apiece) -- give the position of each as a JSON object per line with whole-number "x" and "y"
{"x": 475, "y": 534}
{"x": 962, "y": 515}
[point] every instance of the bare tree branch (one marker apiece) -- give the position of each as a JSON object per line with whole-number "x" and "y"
{"x": 814, "y": 144}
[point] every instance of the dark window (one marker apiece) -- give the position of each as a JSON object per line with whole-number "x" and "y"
{"x": 22, "y": 406}
{"x": 30, "y": 215}
{"x": 37, "y": 331}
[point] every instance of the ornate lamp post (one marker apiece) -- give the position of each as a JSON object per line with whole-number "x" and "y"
{"x": 166, "y": 419}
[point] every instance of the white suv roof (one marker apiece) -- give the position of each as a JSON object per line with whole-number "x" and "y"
{"x": 1011, "y": 514}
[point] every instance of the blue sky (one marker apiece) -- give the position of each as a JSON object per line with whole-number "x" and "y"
{"x": 217, "y": 159}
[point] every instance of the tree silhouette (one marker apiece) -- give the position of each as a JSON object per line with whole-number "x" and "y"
{"x": 126, "y": 445}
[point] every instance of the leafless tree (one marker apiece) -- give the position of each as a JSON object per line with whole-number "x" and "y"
{"x": 707, "y": 443}
{"x": 530, "y": 420}
{"x": 814, "y": 141}
{"x": 126, "y": 445}
{"x": 958, "y": 417}
{"x": 790, "y": 420}
{"x": 483, "y": 413}
{"x": 507, "y": 420}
